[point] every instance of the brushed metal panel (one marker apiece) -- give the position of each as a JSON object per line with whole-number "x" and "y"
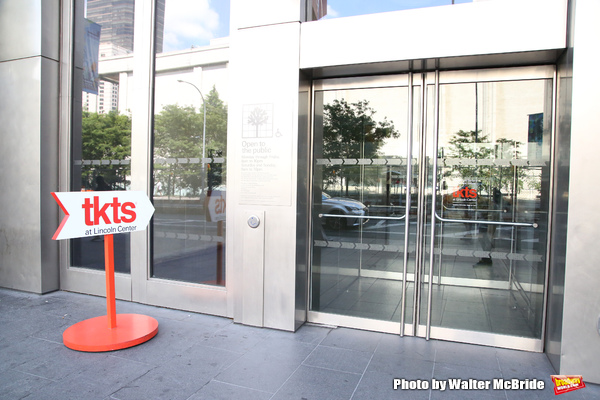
{"x": 272, "y": 79}
{"x": 50, "y": 35}
{"x": 29, "y": 28}
{"x": 253, "y": 266}
{"x": 303, "y": 202}
{"x": 558, "y": 239}
{"x": 436, "y": 32}
{"x": 190, "y": 297}
{"x": 580, "y": 339}
{"x": 20, "y": 29}
{"x": 20, "y": 105}
{"x": 49, "y": 170}
{"x": 141, "y": 128}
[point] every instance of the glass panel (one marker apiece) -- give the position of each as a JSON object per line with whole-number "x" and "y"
{"x": 347, "y": 8}
{"x": 359, "y": 186}
{"x": 189, "y": 153}
{"x": 492, "y": 207}
{"x": 101, "y": 134}
{"x": 188, "y": 24}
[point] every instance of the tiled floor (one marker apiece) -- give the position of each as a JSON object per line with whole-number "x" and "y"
{"x": 197, "y": 356}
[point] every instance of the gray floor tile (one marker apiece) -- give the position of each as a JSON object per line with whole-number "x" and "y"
{"x": 198, "y": 356}
{"x": 407, "y": 346}
{"x": 338, "y": 359}
{"x": 180, "y": 377}
{"x": 71, "y": 390}
{"x": 460, "y": 375}
{"x": 236, "y": 337}
{"x": 518, "y": 364}
{"x": 216, "y": 390}
{"x": 317, "y": 383}
{"x": 352, "y": 339}
{"x": 17, "y": 385}
{"x": 111, "y": 372}
{"x": 268, "y": 365}
{"x": 379, "y": 385}
{"x": 401, "y": 367}
{"x": 466, "y": 355}
{"x": 57, "y": 362}
{"x": 307, "y": 333}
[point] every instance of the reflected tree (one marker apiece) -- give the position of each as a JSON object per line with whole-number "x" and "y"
{"x": 350, "y": 131}
{"x": 178, "y": 134}
{"x": 476, "y": 145}
{"x": 106, "y": 137}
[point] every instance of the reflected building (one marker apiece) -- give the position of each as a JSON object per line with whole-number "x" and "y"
{"x": 117, "y": 20}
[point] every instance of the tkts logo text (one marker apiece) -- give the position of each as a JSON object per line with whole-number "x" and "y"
{"x": 102, "y": 213}
{"x": 465, "y": 193}
{"x": 96, "y": 211}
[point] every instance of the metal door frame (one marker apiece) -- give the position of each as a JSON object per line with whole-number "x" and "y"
{"x": 425, "y": 81}
{"x": 138, "y": 285}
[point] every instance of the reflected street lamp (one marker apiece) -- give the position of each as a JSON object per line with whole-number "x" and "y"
{"x": 203, "y": 127}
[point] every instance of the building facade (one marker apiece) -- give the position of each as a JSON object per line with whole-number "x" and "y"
{"x": 421, "y": 172}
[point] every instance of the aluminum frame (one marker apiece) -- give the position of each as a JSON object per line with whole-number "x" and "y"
{"x": 415, "y": 329}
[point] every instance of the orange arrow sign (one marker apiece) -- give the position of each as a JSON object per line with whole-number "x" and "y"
{"x": 102, "y": 213}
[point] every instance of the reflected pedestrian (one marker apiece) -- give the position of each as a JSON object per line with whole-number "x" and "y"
{"x": 488, "y": 231}
{"x": 101, "y": 184}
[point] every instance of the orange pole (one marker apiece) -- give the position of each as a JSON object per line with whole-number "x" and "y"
{"x": 109, "y": 262}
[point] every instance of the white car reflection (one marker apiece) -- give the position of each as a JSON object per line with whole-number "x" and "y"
{"x": 343, "y": 207}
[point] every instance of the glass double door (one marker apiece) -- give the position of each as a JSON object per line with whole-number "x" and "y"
{"x": 430, "y": 204}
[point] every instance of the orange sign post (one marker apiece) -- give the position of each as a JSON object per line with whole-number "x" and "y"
{"x": 131, "y": 211}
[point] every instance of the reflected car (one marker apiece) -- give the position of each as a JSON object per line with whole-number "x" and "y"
{"x": 342, "y": 206}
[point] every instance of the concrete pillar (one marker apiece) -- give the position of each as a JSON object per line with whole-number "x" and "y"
{"x": 29, "y": 111}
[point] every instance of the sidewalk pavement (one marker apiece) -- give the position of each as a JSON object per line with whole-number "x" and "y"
{"x": 197, "y": 356}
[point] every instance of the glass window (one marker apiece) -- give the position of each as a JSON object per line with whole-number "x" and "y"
{"x": 101, "y": 131}
{"x": 348, "y": 8}
{"x": 189, "y": 145}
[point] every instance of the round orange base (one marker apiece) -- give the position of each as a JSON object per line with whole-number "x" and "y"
{"x": 94, "y": 334}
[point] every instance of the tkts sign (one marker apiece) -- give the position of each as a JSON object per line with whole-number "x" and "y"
{"x": 464, "y": 195}
{"x": 102, "y": 213}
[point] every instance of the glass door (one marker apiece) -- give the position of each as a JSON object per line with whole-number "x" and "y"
{"x": 469, "y": 151}
{"x": 186, "y": 266}
{"x": 483, "y": 277}
{"x": 364, "y": 176}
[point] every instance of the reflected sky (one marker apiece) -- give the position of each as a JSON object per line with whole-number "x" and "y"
{"x": 347, "y": 8}
{"x": 193, "y": 23}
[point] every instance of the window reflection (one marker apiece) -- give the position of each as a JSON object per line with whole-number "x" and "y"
{"x": 493, "y": 169}
{"x": 101, "y": 130}
{"x": 348, "y": 8}
{"x": 189, "y": 147}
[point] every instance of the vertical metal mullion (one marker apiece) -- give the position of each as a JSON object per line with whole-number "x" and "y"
{"x": 407, "y": 203}
{"x": 141, "y": 131}
{"x": 433, "y": 200}
{"x": 552, "y": 157}
{"x": 420, "y": 205}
